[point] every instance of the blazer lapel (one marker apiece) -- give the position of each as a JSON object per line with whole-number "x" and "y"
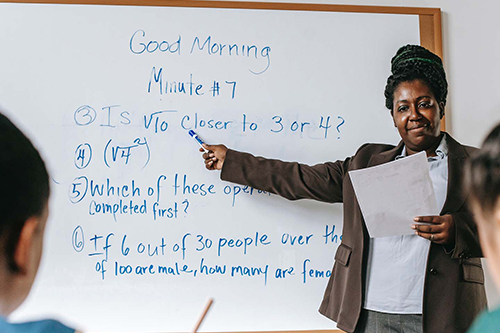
{"x": 455, "y": 196}
{"x": 386, "y": 156}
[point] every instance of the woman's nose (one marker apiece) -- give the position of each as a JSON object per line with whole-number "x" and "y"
{"x": 414, "y": 113}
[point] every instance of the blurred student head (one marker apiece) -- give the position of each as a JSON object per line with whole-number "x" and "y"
{"x": 24, "y": 194}
{"x": 484, "y": 183}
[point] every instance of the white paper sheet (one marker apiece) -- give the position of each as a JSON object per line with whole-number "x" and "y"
{"x": 392, "y": 194}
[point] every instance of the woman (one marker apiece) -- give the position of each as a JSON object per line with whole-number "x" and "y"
{"x": 24, "y": 197}
{"x": 428, "y": 282}
{"x": 484, "y": 182}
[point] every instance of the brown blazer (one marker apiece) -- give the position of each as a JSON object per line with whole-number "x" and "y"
{"x": 454, "y": 283}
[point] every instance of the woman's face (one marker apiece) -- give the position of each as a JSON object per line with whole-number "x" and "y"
{"x": 32, "y": 249}
{"x": 417, "y": 116}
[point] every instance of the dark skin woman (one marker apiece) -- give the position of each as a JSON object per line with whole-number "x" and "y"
{"x": 429, "y": 282}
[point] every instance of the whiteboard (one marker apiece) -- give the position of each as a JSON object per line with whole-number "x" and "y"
{"x": 140, "y": 234}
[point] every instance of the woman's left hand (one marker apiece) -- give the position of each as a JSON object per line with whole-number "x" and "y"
{"x": 440, "y": 231}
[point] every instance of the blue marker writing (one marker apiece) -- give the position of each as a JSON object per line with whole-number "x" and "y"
{"x": 197, "y": 138}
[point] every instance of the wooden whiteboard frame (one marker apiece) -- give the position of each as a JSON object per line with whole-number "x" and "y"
{"x": 429, "y": 25}
{"x": 429, "y": 18}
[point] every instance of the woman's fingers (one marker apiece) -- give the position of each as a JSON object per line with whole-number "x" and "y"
{"x": 214, "y": 156}
{"x": 437, "y": 229}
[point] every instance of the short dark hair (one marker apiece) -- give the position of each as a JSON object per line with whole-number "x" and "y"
{"x": 414, "y": 62}
{"x": 24, "y": 186}
{"x": 483, "y": 173}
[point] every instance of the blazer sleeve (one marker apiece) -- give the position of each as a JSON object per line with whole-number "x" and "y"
{"x": 291, "y": 180}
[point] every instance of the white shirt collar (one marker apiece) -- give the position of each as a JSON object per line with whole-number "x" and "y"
{"x": 441, "y": 150}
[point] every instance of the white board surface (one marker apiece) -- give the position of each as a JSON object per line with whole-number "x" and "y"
{"x": 101, "y": 109}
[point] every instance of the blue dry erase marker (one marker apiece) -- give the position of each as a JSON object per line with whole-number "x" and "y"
{"x": 197, "y": 138}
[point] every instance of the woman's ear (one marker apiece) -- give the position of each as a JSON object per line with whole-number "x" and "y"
{"x": 491, "y": 226}
{"x": 22, "y": 255}
{"x": 496, "y": 214}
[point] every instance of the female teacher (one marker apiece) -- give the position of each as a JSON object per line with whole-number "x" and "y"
{"x": 428, "y": 282}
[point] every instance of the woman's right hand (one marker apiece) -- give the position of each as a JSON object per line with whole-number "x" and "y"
{"x": 215, "y": 157}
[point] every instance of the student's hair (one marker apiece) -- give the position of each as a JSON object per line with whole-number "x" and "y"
{"x": 24, "y": 187}
{"x": 413, "y": 62}
{"x": 483, "y": 173}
